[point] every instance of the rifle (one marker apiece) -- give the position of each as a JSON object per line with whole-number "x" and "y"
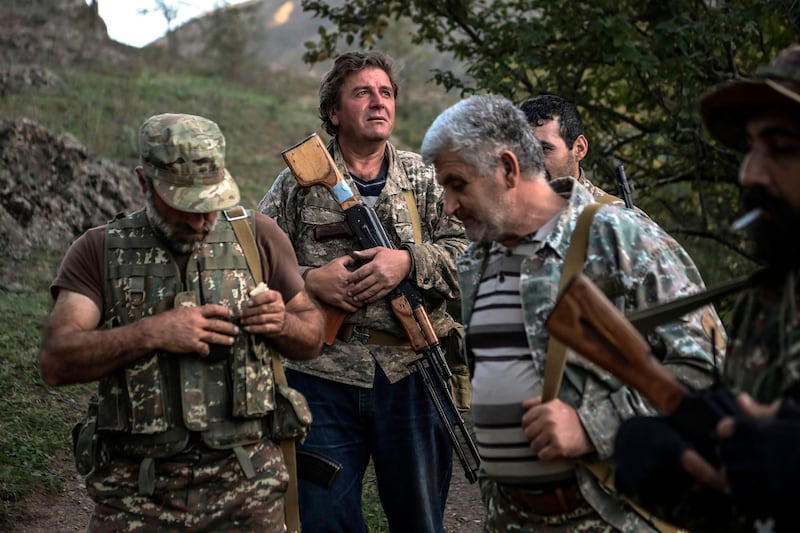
{"x": 311, "y": 164}
{"x": 624, "y": 187}
{"x": 586, "y": 321}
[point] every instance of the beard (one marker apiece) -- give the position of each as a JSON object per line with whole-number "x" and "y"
{"x": 169, "y": 233}
{"x": 563, "y": 170}
{"x": 776, "y": 233}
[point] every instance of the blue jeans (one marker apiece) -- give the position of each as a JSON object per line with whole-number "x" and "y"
{"x": 397, "y": 426}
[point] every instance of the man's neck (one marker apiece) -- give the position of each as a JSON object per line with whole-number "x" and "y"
{"x": 364, "y": 160}
{"x": 540, "y": 203}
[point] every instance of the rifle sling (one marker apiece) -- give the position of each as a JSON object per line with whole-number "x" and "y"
{"x": 246, "y": 237}
{"x": 573, "y": 263}
{"x": 414, "y": 214}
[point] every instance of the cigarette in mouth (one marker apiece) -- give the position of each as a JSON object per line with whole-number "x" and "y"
{"x": 746, "y": 219}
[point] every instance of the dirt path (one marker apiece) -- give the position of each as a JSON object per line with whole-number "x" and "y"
{"x": 69, "y": 511}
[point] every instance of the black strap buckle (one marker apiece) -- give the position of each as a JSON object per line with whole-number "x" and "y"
{"x": 361, "y": 334}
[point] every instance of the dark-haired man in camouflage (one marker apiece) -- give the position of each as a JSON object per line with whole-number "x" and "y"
{"x": 559, "y": 128}
{"x": 366, "y": 402}
{"x": 492, "y": 170}
{"x": 754, "y": 482}
{"x": 160, "y": 307}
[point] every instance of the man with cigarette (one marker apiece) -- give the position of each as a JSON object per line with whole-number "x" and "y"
{"x": 748, "y": 480}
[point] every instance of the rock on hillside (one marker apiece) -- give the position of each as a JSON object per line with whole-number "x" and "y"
{"x": 52, "y": 189}
{"x": 54, "y": 32}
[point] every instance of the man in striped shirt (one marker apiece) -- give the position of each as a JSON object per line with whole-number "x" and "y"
{"x": 492, "y": 170}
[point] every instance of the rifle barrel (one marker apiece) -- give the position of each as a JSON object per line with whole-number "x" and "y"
{"x": 624, "y": 187}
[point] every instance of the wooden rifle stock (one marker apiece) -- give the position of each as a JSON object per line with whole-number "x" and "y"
{"x": 334, "y": 318}
{"x": 588, "y": 323}
{"x": 312, "y": 165}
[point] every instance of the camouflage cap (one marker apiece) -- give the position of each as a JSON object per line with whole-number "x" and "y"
{"x": 727, "y": 108}
{"x": 185, "y": 157}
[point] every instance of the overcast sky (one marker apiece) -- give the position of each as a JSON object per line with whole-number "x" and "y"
{"x": 126, "y": 25}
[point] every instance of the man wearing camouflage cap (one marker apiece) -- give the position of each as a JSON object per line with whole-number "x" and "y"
{"x": 749, "y": 481}
{"x": 160, "y": 307}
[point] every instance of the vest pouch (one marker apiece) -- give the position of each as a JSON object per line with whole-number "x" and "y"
{"x": 89, "y": 449}
{"x": 114, "y": 407}
{"x": 251, "y": 374}
{"x": 145, "y": 384}
{"x": 204, "y": 392}
{"x": 292, "y": 416}
{"x": 229, "y": 434}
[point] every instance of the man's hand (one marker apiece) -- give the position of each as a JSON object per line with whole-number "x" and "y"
{"x": 647, "y": 460}
{"x": 554, "y": 430}
{"x": 748, "y": 407}
{"x": 191, "y": 329}
{"x": 329, "y": 283}
{"x": 760, "y": 460}
{"x": 264, "y": 313}
{"x": 382, "y": 269}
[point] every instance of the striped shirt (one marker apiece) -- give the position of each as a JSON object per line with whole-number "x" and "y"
{"x": 506, "y": 373}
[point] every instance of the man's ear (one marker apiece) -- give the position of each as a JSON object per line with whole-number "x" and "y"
{"x": 510, "y": 163}
{"x": 333, "y": 116}
{"x": 580, "y": 148}
{"x": 142, "y": 179}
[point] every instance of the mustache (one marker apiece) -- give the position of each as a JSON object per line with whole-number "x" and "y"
{"x": 185, "y": 228}
{"x": 758, "y": 197}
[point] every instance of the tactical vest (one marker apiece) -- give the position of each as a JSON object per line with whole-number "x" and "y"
{"x": 150, "y": 407}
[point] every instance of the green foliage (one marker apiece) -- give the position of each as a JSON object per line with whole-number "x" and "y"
{"x": 636, "y": 69}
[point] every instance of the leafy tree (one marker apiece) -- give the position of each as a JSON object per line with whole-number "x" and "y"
{"x": 636, "y": 68}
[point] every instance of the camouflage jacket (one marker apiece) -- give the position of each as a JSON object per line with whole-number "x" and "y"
{"x": 763, "y": 356}
{"x": 298, "y": 211}
{"x": 594, "y": 190}
{"x": 637, "y": 265}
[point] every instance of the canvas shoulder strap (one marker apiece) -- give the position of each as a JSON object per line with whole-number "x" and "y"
{"x": 608, "y": 199}
{"x": 413, "y": 212}
{"x": 238, "y": 218}
{"x": 573, "y": 263}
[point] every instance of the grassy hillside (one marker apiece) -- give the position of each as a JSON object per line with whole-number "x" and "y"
{"x": 102, "y": 108}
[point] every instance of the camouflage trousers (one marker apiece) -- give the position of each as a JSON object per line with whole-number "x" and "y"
{"x": 506, "y": 515}
{"x": 194, "y": 491}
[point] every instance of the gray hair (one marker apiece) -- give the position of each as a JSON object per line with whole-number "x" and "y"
{"x": 477, "y": 128}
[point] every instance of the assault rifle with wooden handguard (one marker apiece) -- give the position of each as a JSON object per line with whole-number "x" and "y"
{"x": 312, "y": 164}
{"x": 588, "y": 323}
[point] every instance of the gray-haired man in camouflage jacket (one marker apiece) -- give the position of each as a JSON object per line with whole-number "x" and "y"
{"x": 491, "y": 167}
